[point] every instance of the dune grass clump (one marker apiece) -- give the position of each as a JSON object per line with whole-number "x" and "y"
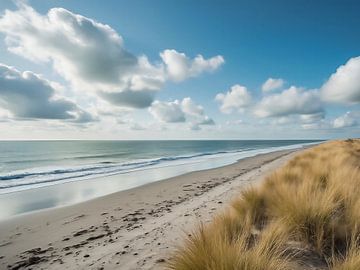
{"x": 304, "y": 215}
{"x": 350, "y": 260}
{"x": 230, "y": 244}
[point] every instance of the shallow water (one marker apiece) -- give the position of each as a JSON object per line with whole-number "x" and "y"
{"x": 31, "y": 164}
{"x": 63, "y": 173}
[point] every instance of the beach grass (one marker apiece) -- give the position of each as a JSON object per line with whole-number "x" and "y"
{"x": 305, "y": 215}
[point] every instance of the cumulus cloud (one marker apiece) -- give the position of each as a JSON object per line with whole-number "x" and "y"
{"x": 80, "y": 48}
{"x": 206, "y": 120}
{"x": 313, "y": 121}
{"x": 92, "y": 55}
{"x": 311, "y": 118}
{"x": 272, "y": 84}
{"x": 343, "y": 86}
{"x": 179, "y": 67}
{"x": 236, "y": 99}
{"x": 82, "y": 116}
{"x": 195, "y": 113}
{"x": 128, "y": 98}
{"x": 293, "y": 106}
{"x": 181, "y": 111}
{"x": 169, "y": 112}
{"x": 27, "y": 95}
{"x": 191, "y": 108}
{"x": 349, "y": 119}
{"x": 293, "y": 101}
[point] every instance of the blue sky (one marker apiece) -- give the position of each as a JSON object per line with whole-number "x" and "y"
{"x": 297, "y": 43}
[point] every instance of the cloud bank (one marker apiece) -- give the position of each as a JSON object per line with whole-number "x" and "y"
{"x": 27, "y": 95}
{"x": 93, "y": 59}
{"x": 289, "y": 102}
{"x": 92, "y": 56}
{"x": 349, "y": 119}
{"x": 297, "y": 105}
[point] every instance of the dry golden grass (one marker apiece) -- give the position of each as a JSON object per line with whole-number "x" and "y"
{"x": 305, "y": 215}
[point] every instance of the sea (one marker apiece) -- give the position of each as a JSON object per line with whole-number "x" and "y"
{"x": 35, "y": 175}
{"x": 31, "y": 164}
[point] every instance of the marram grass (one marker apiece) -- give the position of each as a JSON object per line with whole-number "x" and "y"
{"x": 305, "y": 215}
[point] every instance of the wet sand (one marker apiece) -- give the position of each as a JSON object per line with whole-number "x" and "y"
{"x": 132, "y": 229}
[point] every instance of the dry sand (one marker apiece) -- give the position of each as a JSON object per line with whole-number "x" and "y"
{"x": 133, "y": 229}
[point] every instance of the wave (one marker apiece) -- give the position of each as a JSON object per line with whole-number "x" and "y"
{"x": 82, "y": 157}
{"x": 46, "y": 175}
{"x": 38, "y": 177}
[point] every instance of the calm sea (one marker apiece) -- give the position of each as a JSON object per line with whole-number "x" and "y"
{"x": 32, "y": 164}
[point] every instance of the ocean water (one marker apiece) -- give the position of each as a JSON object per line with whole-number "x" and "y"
{"x": 33, "y": 164}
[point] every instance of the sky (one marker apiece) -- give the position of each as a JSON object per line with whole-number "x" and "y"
{"x": 179, "y": 69}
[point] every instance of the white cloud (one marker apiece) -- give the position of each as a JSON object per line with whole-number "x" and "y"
{"x": 313, "y": 121}
{"x": 343, "y": 86}
{"x": 305, "y": 121}
{"x": 82, "y": 116}
{"x": 5, "y": 115}
{"x": 191, "y": 108}
{"x": 293, "y": 101}
{"x": 129, "y": 98}
{"x": 347, "y": 120}
{"x": 206, "y": 121}
{"x": 27, "y": 95}
{"x": 130, "y": 123}
{"x": 284, "y": 120}
{"x": 136, "y": 126}
{"x": 312, "y": 118}
{"x": 81, "y": 49}
{"x": 179, "y": 67}
{"x": 234, "y": 122}
{"x": 236, "y": 99}
{"x": 194, "y": 127}
{"x": 92, "y": 55}
{"x": 169, "y": 112}
{"x": 181, "y": 111}
{"x": 195, "y": 113}
{"x": 272, "y": 84}
{"x": 311, "y": 126}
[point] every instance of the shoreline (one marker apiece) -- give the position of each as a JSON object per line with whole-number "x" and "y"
{"x": 129, "y": 229}
{"x": 69, "y": 193}
{"x": 227, "y": 157}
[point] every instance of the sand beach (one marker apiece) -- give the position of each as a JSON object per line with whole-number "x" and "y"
{"x": 133, "y": 229}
